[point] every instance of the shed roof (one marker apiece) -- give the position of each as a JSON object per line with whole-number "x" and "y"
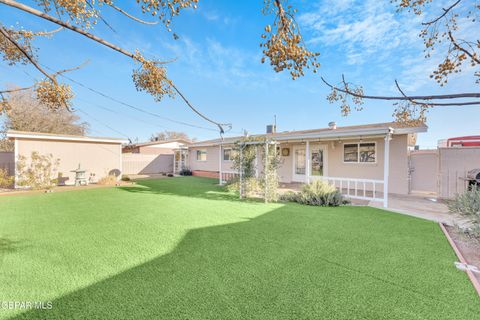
{"x": 151, "y": 143}
{"x": 14, "y": 134}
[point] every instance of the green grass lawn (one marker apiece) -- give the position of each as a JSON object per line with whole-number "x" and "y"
{"x": 183, "y": 248}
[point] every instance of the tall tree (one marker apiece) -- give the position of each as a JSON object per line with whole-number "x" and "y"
{"x": 27, "y": 113}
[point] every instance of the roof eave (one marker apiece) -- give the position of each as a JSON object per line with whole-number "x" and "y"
{"x": 39, "y": 136}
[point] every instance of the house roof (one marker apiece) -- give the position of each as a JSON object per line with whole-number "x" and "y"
{"x": 151, "y": 143}
{"x": 338, "y": 132}
{"x": 14, "y": 134}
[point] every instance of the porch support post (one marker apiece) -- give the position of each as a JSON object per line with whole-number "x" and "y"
{"x": 15, "y": 167}
{"x": 174, "y": 162}
{"x": 386, "y": 169}
{"x": 220, "y": 178}
{"x": 307, "y": 162}
{"x": 266, "y": 170}
{"x": 257, "y": 172}
{"x": 241, "y": 171}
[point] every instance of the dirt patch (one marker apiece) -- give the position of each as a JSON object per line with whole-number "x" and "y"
{"x": 468, "y": 246}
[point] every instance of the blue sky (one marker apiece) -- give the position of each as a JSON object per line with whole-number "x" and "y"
{"x": 218, "y": 68}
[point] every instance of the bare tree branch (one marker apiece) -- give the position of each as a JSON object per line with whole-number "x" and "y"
{"x": 105, "y": 22}
{"x": 42, "y": 33}
{"x": 219, "y": 125}
{"x": 456, "y": 45}
{"x": 72, "y": 69}
{"x": 130, "y": 16}
{"x": 45, "y": 16}
{"x": 430, "y": 97}
{"x": 436, "y": 104}
{"x": 15, "y": 90}
{"x": 445, "y": 11}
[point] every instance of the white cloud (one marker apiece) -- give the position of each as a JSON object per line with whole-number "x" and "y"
{"x": 360, "y": 28}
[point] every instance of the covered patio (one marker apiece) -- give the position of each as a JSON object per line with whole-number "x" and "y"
{"x": 305, "y": 157}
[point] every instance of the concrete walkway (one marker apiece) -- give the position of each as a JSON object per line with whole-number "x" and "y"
{"x": 424, "y": 207}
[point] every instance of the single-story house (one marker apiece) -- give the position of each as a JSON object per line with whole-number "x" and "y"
{"x": 156, "y": 147}
{"x": 364, "y": 161}
{"x": 100, "y": 157}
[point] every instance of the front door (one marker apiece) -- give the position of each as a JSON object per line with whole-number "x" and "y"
{"x": 317, "y": 161}
{"x": 299, "y": 164}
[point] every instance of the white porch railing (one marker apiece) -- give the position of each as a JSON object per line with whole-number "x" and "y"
{"x": 364, "y": 189}
{"x": 229, "y": 175}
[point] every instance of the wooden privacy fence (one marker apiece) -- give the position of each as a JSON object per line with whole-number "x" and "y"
{"x": 136, "y": 163}
{"x": 7, "y": 162}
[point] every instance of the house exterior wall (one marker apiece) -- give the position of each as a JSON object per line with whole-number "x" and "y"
{"x": 398, "y": 178}
{"x": 97, "y": 158}
{"x": 211, "y": 164}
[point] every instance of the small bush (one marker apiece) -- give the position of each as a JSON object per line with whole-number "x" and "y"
{"x": 289, "y": 196}
{"x": 6, "y": 181}
{"x": 125, "y": 178}
{"x": 468, "y": 205}
{"x": 316, "y": 193}
{"x": 108, "y": 180}
{"x": 185, "y": 172}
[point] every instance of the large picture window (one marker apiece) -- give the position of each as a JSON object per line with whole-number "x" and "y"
{"x": 359, "y": 152}
{"x": 202, "y": 155}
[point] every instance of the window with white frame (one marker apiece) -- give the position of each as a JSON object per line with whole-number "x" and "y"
{"x": 202, "y": 155}
{"x": 228, "y": 154}
{"x": 364, "y": 152}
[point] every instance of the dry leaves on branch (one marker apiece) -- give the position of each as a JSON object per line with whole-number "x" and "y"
{"x": 54, "y": 95}
{"x": 152, "y": 78}
{"x": 166, "y": 9}
{"x": 410, "y": 114}
{"x": 284, "y": 45}
{"x": 345, "y": 98}
{"x": 10, "y": 53}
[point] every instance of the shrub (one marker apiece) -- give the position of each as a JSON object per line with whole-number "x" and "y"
{"x": 468, "y": 205}
{"x": 289, "y": 196}
{"x": 108, "y": 180}
{"x": 125, "y": 178}
{"x": 39, "y": 172}
{"x": 6, "y": 181}
{"x": 185, "y": 172}
{"x": 316, "y": 193}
